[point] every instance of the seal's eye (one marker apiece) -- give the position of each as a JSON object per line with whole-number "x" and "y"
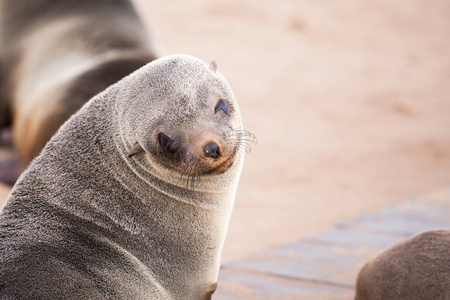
{"x": 221, "y": 105}
{"x": 166, "y": 143}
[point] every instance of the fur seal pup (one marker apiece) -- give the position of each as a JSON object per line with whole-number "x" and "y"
{"x": 416, "y": 268}
{"x": 131, "y": 198}
{"x": 57, "y": 54}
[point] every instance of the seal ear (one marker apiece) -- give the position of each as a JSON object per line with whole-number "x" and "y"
{"x": 213, "y": 66}
{"x": 135, "y": 150}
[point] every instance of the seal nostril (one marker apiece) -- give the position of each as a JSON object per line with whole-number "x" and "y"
{"x": 211, "y": 150}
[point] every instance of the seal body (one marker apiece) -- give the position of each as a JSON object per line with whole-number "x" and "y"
{"x": 57, "y": 54}
{"x": 127, "y": 201}
{"x": 416, "y": 268}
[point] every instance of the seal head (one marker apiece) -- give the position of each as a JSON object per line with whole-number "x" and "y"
{"x": 195, "y": 128}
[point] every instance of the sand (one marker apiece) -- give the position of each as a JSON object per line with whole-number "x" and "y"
{"x": 349, "y": 100}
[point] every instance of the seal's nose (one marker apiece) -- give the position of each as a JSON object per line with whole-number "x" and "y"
{"x": 211, "y": 150}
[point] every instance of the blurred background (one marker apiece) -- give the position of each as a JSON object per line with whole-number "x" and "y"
{"x": 349, "y": 100}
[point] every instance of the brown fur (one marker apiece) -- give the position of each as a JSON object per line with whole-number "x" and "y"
{"x": 57, "y": 54}
{"x": 416, "y": 268}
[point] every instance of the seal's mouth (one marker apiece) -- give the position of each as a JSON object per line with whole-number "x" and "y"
{"x": 216, "y": 159}
{"x": 223, "y": 166}
{"x": 200, "y": 157}
{"x": 198, "y": 167}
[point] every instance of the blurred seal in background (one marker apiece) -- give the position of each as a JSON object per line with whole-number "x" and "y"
{"x": 417, "y": 268}
{"x": 57, "y": 54}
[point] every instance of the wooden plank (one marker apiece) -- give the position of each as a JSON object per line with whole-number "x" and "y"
{"x": 353, "y": 238}
{"x": 333, "y": 257}
{"x": 325, "y": 266}
{"x": 403, "y": 220}
{"x": 236, "y": 285}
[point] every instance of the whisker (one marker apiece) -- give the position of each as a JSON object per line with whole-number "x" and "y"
{"x": 241, "y": 133}
{"x": 182, "y": 174}
{"x": 191, "y": 169}
{"x": 243, "y": 140}
{"x": 194, "y": 175}
{"x": 198, "y": 174}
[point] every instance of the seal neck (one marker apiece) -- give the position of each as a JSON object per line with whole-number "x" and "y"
{"x": 198, "y": 216}
{"x": 208, "y": 192}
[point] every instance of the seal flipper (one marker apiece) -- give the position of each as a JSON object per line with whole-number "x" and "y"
{"x": 135, "y": 150}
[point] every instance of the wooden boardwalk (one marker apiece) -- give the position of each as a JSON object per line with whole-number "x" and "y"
{"x": 325, "y": 266}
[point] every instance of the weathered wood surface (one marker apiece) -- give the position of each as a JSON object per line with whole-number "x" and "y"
{"x": 325, "y": 266}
